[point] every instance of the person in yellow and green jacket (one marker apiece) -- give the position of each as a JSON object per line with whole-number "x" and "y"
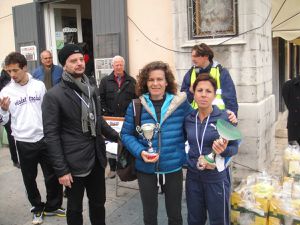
{"x": 202, "y": 58}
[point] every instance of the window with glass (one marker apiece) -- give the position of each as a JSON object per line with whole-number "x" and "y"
{"x": 212, "y": 18}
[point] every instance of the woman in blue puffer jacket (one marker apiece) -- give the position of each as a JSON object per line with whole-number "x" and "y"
{"x": 163, "y": 107}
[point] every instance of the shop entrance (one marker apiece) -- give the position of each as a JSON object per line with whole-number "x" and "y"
{"x": 68, "y": 23}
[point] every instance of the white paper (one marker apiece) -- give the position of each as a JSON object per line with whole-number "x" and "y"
{"x": 116, "y": 123}
{"x": 220, "y": 163}
{"x": 111, "y": 147}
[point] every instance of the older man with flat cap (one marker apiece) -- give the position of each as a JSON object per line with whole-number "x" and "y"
{"x": 73, "y": 129}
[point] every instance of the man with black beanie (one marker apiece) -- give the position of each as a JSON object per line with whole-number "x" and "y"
{"x": 73, "y": 128}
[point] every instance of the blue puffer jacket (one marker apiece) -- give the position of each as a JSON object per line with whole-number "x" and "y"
{"x": 172, "y": 153}
{"x": 56, "y": 72}
{"x": 210, "y": 135}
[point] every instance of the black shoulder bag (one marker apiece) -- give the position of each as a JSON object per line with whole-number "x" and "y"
{"x": 125, "y": 160}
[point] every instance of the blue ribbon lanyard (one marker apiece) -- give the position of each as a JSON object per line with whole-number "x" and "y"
{"x": 202, "y": 139}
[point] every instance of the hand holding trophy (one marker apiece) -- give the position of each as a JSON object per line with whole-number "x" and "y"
{"x": 147, "y": 131}
{"x": 227, "y": 132}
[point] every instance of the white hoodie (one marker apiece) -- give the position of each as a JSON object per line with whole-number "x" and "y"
{"x": 25, "y": 109}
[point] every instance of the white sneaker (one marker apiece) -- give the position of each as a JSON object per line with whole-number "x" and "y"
{"x": 37, "y": 218}
{"x": 58, "y": 212}
{"x": 112, "y": 174}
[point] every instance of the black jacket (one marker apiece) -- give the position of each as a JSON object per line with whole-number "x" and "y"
{"x": 4, "y": 79}
{"x": 70, "y": 150}
{"x": 115, "y": 101}
{"x": 291, "y": 96}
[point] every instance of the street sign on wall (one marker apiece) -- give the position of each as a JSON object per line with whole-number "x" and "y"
{"x": 103, "y": 67}
{"x": 29, "y": 52}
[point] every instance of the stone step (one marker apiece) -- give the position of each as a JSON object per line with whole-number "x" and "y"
{"x": 281, "y": 133}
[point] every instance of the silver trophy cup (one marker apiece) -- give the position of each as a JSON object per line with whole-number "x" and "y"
{"x": 147, "y": 131}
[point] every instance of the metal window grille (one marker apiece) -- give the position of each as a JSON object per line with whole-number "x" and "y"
{"x": 212, "y": 18}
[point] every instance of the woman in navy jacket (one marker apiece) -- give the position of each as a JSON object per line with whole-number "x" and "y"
{"x": 207, "y": 185}
{"x": 160, "y": 105}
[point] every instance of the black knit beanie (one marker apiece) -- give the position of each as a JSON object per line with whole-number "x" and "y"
{"x": 66, "y": 51}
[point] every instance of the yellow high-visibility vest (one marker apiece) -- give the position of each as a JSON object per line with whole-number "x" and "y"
{"x": 214, "y": 73}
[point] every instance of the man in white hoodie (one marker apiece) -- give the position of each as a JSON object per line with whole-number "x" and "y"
{"x": 22, "y": 98}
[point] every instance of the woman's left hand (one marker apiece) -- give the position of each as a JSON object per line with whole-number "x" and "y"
{"x": 220, "y": 145}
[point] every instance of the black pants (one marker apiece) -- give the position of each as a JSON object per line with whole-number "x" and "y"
{"x": 149, "y": 195}
{"x": 94, "y": 184}
{"x": 11, "y": 143}
{"x": 112, "y": 164}
{"x": 30, "y": 154}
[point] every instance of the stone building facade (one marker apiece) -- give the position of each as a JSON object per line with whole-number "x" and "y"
{"x": 248, "y": 57}
{"x": 144, "y": 31}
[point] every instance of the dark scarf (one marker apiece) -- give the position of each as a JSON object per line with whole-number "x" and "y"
{"x": 48, "y": 78}
{"x": 88, "y": 107}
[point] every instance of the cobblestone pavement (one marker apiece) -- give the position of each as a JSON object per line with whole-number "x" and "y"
{"x": 125, "y": 209}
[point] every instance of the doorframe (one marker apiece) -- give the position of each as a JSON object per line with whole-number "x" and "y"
{"x": 50, "y": 25}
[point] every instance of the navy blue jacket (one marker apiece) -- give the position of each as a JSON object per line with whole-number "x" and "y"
{"x": 227, "y": 86}
{"x": 211, "y": 134}
{"x": 172, "y": 152}
{"x": 56, "y": 72}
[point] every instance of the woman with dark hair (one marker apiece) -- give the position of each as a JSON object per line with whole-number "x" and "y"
{"x": 164, "y": 109}
{"x": 207, "y": 184}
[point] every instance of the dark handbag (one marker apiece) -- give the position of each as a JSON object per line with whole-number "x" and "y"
{"x": 125, "y": 164}
{"x": 125, "y": 160}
